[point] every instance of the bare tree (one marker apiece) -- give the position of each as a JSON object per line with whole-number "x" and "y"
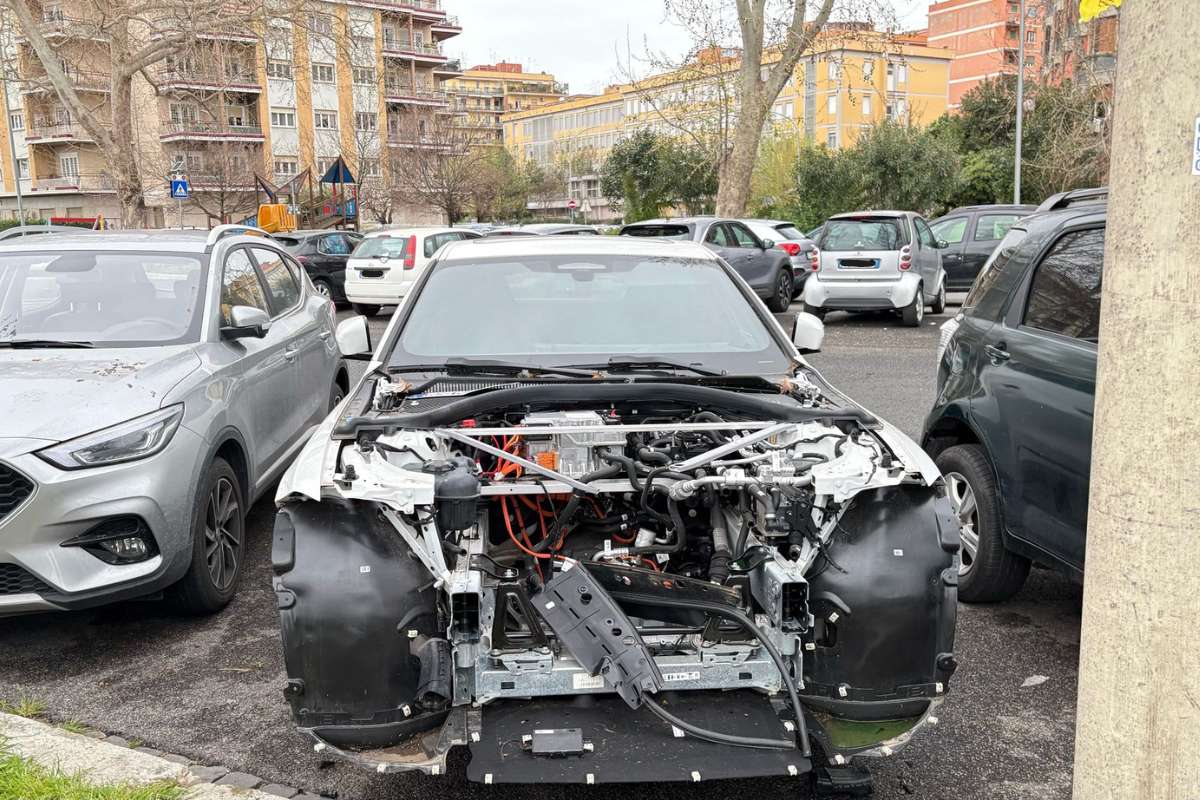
{"x": 435, "y": 162}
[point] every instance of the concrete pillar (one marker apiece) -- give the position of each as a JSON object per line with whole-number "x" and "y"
{"x": 1138, "y": 726}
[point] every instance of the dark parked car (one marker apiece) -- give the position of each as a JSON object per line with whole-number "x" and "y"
{"x": 560, "y": 229}
{"x": 765, "y": 267}
{"x": 1011, "y": 430}
{"x": 323, "y": 255}
{"x": 971, "y": 233}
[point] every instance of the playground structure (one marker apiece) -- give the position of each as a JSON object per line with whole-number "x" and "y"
{"x": 297, "y": 205}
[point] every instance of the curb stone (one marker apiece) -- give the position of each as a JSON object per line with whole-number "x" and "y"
{"x": 103, "y": 763}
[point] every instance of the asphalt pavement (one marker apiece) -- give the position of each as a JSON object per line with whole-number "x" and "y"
{"x": 211, "y": 689}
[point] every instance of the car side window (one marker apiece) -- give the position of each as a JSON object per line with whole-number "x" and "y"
{"x": 240, "y": 285}
{"x": 435, "y": 242}
{"x": 282, "y": 290}
{"x": 924, "y": 234}
{"x": 717, "y": 235}
{"x": 950, "y": 231}
{"x": 333, "y": 245}
{"x": 1064, "y": 297}
{"x": 992, "y": 227}
{"x": 742, "y": 236}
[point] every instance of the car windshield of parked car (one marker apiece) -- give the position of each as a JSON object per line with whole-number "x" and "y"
{"x": 790, "y": 232}
{"x": 381, "y": 247}
{"x": 107, "y": 299}
{"x": 562, "y": 309}
{"x": 866, "y": 233}
{"x": 659, "y": 231}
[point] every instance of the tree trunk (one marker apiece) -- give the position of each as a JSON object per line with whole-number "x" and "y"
{"x": 733, "y": 191}
{"x": 123, "y": 158}
{"x": 1138, "y": 726}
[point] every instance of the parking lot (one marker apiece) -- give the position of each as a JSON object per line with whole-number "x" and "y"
{"x": 211, "y": 689}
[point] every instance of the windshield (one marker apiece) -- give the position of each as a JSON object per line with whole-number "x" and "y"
{"x": 867, "y": 233}
{"x": 382, "y": 246}
{"x": 560, "y": 310}
{"x": 113, "y": 299}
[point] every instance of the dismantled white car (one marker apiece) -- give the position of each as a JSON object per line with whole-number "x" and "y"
{"x": 592, "y": 516}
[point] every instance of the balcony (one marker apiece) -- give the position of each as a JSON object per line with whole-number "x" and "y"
{"x": 209, "y": 79}
{"x": 217, "y": 182}
{"x": 537, "y": 88}
{"x": 93, "y": 182}
{"x": 413, "y": 51}
{"x": 56, "y": 25}
{"x": 424, "y": 9}
{"x": 446, "y": 28}
{"x": 84, "y": 81}
{"x": 185, "y": 130}
{"x": 401, "y": 92}
{"x": 450, "y": 68}
{"x": 483, "y": 91}
{"x": 48, "y": 131}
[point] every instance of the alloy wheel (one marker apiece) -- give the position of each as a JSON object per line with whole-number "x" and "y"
{"x": 920, "y": 304}
{"x": 962, "y": 500}
{"x": 322, "y": 288}
{"x": 222, "y": 534}
{"x": 783, "y": 287}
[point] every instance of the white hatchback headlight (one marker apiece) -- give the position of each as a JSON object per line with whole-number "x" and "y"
{"x": 129, "y": 441}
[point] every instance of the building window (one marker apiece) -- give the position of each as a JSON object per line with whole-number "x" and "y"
{"x": 68, "y": 165}
{"x": 834, "y": 71}
{"x": 320, "y": 24}
{"x": 184, "y": 114}
{"x": 279, "y": 69}
{"x": 283, "y": 118}
{"x": 16, "y": 121}
{"x": 286, "y": 166}
{"x": 237, "y": 116}
{"x": 22, "y": 168}
{"x": 1014, "y": 8}
{"x": 325, "y": 120}
{"x": 902, "y": 73}
{"x": 832, "y": 108}
{"x": 364, "y": 76}
{"x": 185, "y": 162}
{"x": 866, "y": 106}
{"x": 891, "y": 77}
{"x": 322, "y": 73}
{"x": 868, "y": 69}
{"x": 831, "y": 140}
{"x": 365, "y": 120}
{"x": 370, "y": 168}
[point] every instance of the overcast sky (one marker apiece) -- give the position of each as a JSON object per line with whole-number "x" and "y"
{"x": 583, "y": 42}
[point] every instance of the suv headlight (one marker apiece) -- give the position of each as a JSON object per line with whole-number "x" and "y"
{"x": 138, "y": 438}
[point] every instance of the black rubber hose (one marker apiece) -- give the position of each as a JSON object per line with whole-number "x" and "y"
{"x": 624, "y": 461}
{"x": 560, "y": 519}
{"x": 652, "y": 456}
{"x": 709, "y": 416}
{"x": 737, "y": 616}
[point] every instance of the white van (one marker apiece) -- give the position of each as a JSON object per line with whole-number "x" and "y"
{"x": 387, "y": 263}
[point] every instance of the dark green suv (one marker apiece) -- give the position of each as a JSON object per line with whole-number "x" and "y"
{"x": 1011, "y": 428}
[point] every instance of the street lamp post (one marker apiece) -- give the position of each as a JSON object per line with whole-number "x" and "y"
{"x": 1020, "y": 107}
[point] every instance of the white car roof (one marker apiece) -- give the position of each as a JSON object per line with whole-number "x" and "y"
{"x": 426, "y": 230}
{"x": 542, "y": 246}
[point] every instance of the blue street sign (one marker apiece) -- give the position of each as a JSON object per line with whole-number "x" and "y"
{"x": 179, "y": 190}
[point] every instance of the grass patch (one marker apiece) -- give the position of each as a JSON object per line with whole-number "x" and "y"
{"x": 25, "y": 707}
{"x": 21, "y": 779}
{"x": 74, "y": 726}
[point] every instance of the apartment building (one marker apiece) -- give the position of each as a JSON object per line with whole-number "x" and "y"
{"x": 853, "y": 78}
{"x": 985, "y": 36}
{"x": 360, "y": 79}
{"x": 487, "y": 91}
{"x": 1085, "y": 52}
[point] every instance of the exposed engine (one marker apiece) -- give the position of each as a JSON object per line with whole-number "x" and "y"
{"x": 713, "y": 546}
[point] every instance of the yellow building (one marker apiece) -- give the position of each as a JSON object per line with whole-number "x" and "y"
{"x": 485, "y": 92}
{"x": 853, "y": 78}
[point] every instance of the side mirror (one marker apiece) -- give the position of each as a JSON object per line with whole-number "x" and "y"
{"x": 246, "y": 322}
{"x": 807, "y": 333}
{"x": 354, "y": 338}
{"x": 942, "y": 244}
{"x": 767, "y": 244}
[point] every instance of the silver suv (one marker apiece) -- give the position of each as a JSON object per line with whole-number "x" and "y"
{"x": 152, "y": 385}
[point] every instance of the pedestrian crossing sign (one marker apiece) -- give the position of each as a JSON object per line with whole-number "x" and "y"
{"x": 179, "y": 189}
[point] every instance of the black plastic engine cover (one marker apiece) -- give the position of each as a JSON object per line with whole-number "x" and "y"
{"x": 356, "y": 611}
{"x": 884, "y": 631}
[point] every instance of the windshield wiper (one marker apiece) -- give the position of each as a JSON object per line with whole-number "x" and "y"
{"x": 34, "y": 344}
{"x": 632, "y": 364}
{"x": 469, "y": 366}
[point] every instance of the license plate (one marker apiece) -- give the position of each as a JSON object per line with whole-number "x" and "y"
{"x": 858, "y": 263}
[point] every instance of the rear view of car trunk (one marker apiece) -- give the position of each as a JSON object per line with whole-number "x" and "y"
{"x": 863, "y": 248}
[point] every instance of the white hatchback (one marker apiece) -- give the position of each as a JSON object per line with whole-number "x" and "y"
{"x": 387, "y": 263}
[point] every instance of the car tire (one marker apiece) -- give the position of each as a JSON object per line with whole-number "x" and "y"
{"x": 939, "y": 302}
{"x": 365, "y": 309}
{"x": 782, "y": 297}
{"x": 914, "y": 312}
{"x": 218, "y": 543}
{"x": 816, "y": 311}
{"x": 991, "y": 573}
{"x": 323, "y": 287}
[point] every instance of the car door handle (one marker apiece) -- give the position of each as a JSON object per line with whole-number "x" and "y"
{"x": 291, "y": 352}
{"x": 997, "y": 354}
{"x": 325, "y": 335}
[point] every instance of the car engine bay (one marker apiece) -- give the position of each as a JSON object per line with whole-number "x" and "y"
{"x": 639, "y": 547}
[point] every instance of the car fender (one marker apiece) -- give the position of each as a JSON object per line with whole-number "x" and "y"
{"x": 906, "y": 292}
